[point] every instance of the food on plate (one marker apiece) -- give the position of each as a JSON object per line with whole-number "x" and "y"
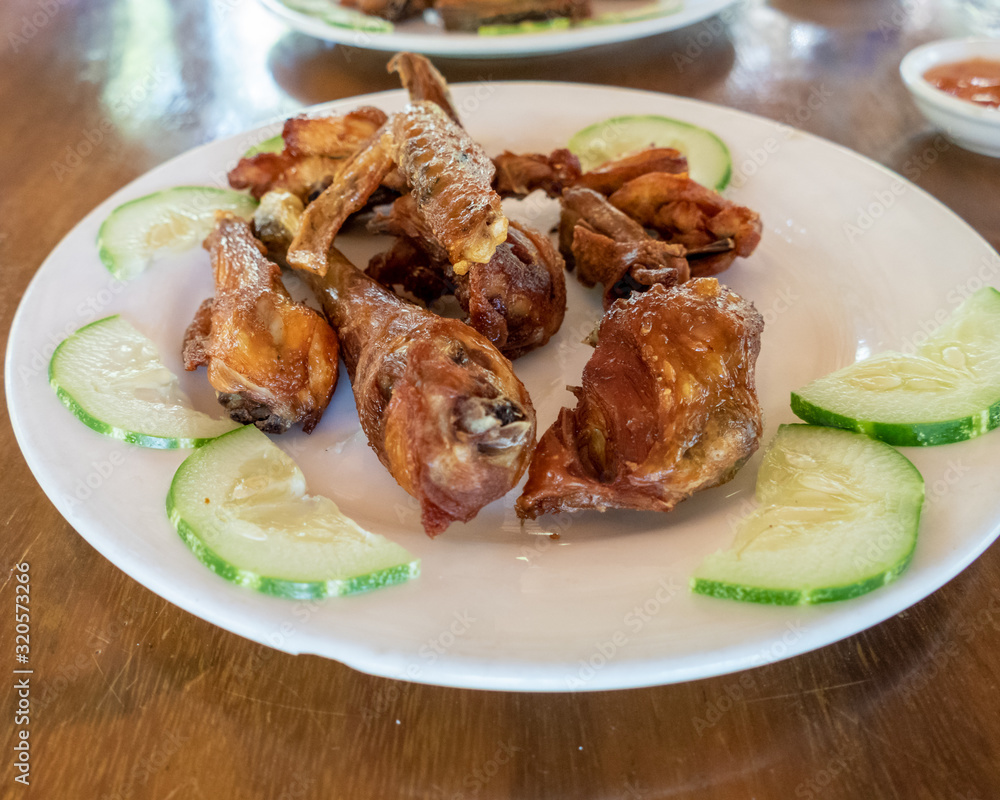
{"x": 947, "y": 390}
{"x": 976, "y": 80}
{"x": 111, "y": 377}
{"x": 470, "y": 15}
{"x": 517, "y": 299}
{"x": 612, "y": 175}
{"x": 271, "y": 360}
{"x": 711, "y": 163}
{"x": 168, "y": 221}
{"x": 712, "y": 229}
{"x": 313, "y": 150}
{"x": 441, "y": 407}
{"x": 837, "y": 516}
{"x": 423, "y": 81}
{"x": 667, "y": 405}
{"x": 240, "y": 504}
{"x": 519, "y": 174}
{"x": 607, "y": 247}
{"x": 448, "y": 174}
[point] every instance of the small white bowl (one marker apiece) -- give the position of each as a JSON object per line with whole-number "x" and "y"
{"x": 971, "y": 126}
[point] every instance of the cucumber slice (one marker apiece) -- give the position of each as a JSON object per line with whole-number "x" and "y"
{"x": 111, "y": 377}
{"x": 947, "y": 391}
{"x": 240, "y": 504}
{"x": 709, "y": 162}
{"x": 168, "y": 221}
{"x": 332, "y": 13}
{"x": 837, "y": 516}
{"x": 273, "y": 145}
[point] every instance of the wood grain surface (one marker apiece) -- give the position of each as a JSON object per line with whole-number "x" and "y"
{"x": 135, "y": 698}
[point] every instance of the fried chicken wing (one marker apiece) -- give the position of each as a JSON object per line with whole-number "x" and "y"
{"x": 272, "y": 361}
{"x": 611, "y": 176}
{"x": 607, "y": 247}
{"x": 441, "y": 407}
{"x": 667, "y": 405}
{"x": 448, "y": 174}
{"x": 423, "y": 81}
{"x": 687, "y": 213}
{"x": 314, "y": 151}
{"x": 518, "y": 175}
{"x": 517, "y": 299}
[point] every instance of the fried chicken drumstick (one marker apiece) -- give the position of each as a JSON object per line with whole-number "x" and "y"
{"x": 272, "y": 361}
{"x": 667, "y": 407}
{"x": 441, "y": 407}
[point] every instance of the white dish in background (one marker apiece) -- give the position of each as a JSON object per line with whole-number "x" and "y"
{"x": 842, "y": 272}
{"x": 971, "y": 126}
{"x": 420, "y": 36}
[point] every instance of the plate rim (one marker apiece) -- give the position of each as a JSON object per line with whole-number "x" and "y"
{"x": 361, "y": 655}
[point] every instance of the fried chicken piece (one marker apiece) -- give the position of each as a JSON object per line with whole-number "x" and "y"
{"x": 469, "y": 15}
{"x": 517, "y": 299}
{"x": 441, "y": 407}
{"x": 625, "y": 267}
{"x": 423, "y": 81}
{"x": 611, "y": 176}
{"x": 272, "y": 361}
{"x": 667, "y": 407}
{"x": 315, "y": 149}
{"x": 609, "y": 248}
{"x": 518, "y": 175}
{"x": 392, "y": 10}
{"x": 448, "y": 174}
{"x": 687, "y": 213}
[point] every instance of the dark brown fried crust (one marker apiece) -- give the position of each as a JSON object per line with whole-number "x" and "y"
{"x": 272, "y": 361}
{"x": 612, "y": 176}
{"x": 469, "y": 15}
{"x": 423, "y": 81}
{"x": 667, "y": 405}
{"x": 684, "y": 212}
{"x": 441, "y": 407}
{"x": 518, "y": 175}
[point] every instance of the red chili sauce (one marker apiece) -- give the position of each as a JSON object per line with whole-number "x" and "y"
{"x": 976, "y": 80}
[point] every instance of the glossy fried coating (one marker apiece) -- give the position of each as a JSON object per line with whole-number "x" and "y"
{"x": 667, "y": 405}
{"x": 441, "y": 407}
{"x": 611, "y": 176}
{"x": 685, "y": 212}
{"x": 518, "y": 175}
{"x": 423, "y": 81}
{"x": 449, "y": 176}
{"x": 392, "y": 10}
{"x": 314, "y": 151}
{"x": 517, "y": 299}
{"x": 451, "y": 179}
{"x": 272, "y": 361}
{"x": 607, "y": 247}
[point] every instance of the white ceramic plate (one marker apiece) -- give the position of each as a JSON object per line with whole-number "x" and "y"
{"x": 853, "y": 260}
{"x": 427, "y": 36}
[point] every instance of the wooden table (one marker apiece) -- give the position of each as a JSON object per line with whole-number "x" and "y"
{"x": 134, "y": 698}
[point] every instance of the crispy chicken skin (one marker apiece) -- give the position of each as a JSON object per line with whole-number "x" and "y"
{"x": 685, "y": 212}
{"x": 448, "y": 174}
{"x": 272, "y": 361}
{"x": 611, "y": 176}
{"x": 518, "y": 175}
{"x": 441, "y": 407}
{"x": 517, "y": 299}
{"x": 315, "y": 150}
{"x": 667, "y": 407}
{"x": 423, "y": 81}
